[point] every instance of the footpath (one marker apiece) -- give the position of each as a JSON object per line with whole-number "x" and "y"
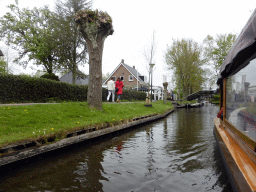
{"x": 20, "y": 104}
{"x": 27, "y": 149}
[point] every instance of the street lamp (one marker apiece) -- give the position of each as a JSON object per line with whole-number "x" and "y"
{"x": 151, "y": 71}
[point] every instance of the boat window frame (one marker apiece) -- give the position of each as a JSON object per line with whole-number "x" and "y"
{"x": 247, "y": 140}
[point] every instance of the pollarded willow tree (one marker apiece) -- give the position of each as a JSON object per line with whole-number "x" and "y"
{"x": 95, "y": 27}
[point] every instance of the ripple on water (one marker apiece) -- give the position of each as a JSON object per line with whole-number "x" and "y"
{"x": 176, "y": 153}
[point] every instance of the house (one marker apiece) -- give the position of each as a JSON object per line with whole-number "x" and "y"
{"x": 81, "y": 78}
{"x": 129, "y": 75}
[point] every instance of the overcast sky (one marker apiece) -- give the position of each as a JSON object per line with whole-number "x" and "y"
{"x": 135, "y": 20}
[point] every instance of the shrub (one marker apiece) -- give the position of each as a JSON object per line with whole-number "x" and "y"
{"x": 29, "y": 89}
{"x": 20, "y": 89}
{"x": 169, "y": 98}
{"x": 216, "y": 98}
{"x": 128, "y": 95}
{"x": 51, "y": 76}
{"x": 131, "y": 95}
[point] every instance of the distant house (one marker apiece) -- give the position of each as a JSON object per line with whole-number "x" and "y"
{"x": 1, "y": 53}
{"x": 81, "y": 79}
{"x": 129, "y": 75}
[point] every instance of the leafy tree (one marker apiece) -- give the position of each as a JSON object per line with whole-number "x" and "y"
{"x": 184, "y": 58}
{"x": 38, "y": 74}
{"x": 33, "y": 34}
{"x": 73, "y": 50}
{"x": 9, "y": 56}
{"x": 3, "y": 66}
{"x": 95, "y": 26}
{"x": 177, "y": 91}
{"x": 216, "y": 50}
{"x": 105, "y": 76}
{"x": 51, "y": 76}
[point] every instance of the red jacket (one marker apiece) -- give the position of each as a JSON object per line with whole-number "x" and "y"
{"x": 220, "y": 113}
{"x": 119, "y": 85}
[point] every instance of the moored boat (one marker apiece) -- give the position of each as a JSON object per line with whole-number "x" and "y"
{"x": 235, "y": 127}
{"x": 195, "y": 105}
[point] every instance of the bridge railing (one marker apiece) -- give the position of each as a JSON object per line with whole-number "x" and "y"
{"x": 202, "y": 93}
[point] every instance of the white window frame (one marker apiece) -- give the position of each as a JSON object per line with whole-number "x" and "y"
{"x": 121, "y": 78}
{"x": 130, "y": 77}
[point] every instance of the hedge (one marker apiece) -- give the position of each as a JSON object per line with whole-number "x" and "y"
{"x": 20, "y": 89}
{"x": 129, "y": 95}
{"x": 216, "y": 97}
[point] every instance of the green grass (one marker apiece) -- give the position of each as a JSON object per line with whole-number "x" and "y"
{"x": 251, "y": 108}
{"x": 33, "y": 122}
{"x": 187, "y": 102}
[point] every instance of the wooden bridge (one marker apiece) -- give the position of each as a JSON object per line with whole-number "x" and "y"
{"x": 201, "y": 95}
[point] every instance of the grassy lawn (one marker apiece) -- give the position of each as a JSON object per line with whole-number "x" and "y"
{"x": 31, "y": 122}
{"x": 187, "y": 102}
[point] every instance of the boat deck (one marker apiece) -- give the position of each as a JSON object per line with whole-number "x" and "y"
{"x": 241, "y": 166}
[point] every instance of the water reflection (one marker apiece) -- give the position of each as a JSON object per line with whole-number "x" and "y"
{"x": 187, "y": 141}
{"x": 177, "y": 153}
{"x": 241, "y": 100}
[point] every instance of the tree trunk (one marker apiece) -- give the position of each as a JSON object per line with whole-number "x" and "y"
{"x": 74, "y": 72}
{"x": 48, "y": 66}
{"x": 74, "y": 65}
{"x": 94, "y": 96}
{"x": 95, "y": 27}
{"x": 184, "y": 94}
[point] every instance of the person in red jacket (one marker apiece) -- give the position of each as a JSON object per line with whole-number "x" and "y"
{"x": 119, "y": 85}
{"x": 220, "y": 114}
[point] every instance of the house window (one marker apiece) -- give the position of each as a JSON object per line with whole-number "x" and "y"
{"x": 114, "y": 78}
{"x": 130, "y": 78}
{"x": 122, "y": 78}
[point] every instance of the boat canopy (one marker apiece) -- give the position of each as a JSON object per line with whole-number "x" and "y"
{"x": 242, "y": 51}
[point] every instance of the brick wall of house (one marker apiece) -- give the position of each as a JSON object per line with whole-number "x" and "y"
{"x": 122, "y": 71}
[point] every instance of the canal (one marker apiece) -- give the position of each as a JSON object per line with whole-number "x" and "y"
{"x": 177, "y": 153}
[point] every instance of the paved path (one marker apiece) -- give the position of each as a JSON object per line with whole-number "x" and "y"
{"x": 20, "y": 104}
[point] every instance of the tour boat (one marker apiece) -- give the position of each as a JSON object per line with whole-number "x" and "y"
{"x": 235, "y": 129}
{"x": 196, "y": 105}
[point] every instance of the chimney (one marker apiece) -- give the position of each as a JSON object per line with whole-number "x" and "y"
{"x": 122, "y": 61}
{"x": 133, "y": 67}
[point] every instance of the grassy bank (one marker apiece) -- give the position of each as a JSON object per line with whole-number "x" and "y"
{"x": 33, "y": 122}
{"x": 187, "y": 102}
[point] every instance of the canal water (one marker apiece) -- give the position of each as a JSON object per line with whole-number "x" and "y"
{"x": 175, "y": 154}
